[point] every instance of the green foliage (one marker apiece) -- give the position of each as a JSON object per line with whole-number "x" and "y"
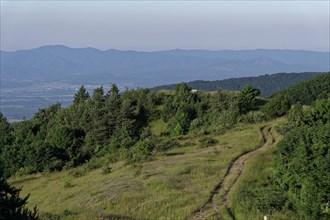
{"x": 115, "y": 125}
{"x": 296, "y": 115}
{"x": 304, "y": 93}
{"x": 247, "y": 99}
{"x": 93, "y": 126}
{"x": 141, "y": 151}
{"x": 106, "y": 169}
{"x": 81, "y": 96}
{"x": 181, "y": 109}
{"x": 223, "y": 100}
{"x": 307, "y": 92}
{"x": 303, "y": 159}
{"x": 277, "y": 106}
{"x": 295, "y": 118}
{"x": 177, "y": 131}
{"x": 261, "y": 197}
{"x": 319, "y": 113}
{"x": 66, "y": 140}
{"x": 97, "y": 130}
{"x": 253, "y": 117}
{"x": 5, "y": 132}
{"x": 166, "y": 143}
{"x": 93, "y": 164}
{"x": 12, "y": 206}
{"x": 293, "y": 181}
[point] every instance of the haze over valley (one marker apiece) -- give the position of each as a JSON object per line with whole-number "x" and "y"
{"x": 33, "y": 79}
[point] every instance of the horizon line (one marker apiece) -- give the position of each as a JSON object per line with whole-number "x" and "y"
{"x": 150, "y": 51}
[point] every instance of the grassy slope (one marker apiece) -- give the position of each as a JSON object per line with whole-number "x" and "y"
{"x": 257, "y": 169}
{"x": 171, "y": 186}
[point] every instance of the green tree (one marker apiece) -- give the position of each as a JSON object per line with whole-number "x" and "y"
{"x": 12, "y": 206}
{"x": 5, "y": 132}
{"x": 77, "y": 115}
{"x": 67, "y": 140}
{"x": 112, "y": 109}
{"x": 247, "y": 99}
{"x": 181, "y": 109}
{"x": 277, "y": 106}
{"x": 81, "y": 96}
{"x": 135, "y": 113}
{"x": 221, "y": 100}
{"x": 96, "y": 135}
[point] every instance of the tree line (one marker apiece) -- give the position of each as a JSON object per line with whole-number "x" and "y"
{"x": 105, "y": 123}
{"x": 117, "y": 123}
{"x": 304, "y": 93}
{"x": 268, "y": 84}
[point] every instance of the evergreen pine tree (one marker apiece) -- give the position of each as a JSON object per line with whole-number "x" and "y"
{"x": 12, "y": 206}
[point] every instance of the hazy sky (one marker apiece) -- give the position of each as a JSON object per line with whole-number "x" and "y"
{"x": 159, "y": 25}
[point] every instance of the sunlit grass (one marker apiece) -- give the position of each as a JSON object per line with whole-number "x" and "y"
{"x": 171, "y": 186}
{"x": 255, "y": 172}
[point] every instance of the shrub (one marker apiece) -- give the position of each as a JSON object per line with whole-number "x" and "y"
{"x": 165, "y": 143}
{"x": 141, "y": 151}
{"x": 93, "y": 164}
{"x": 207, "y": 142}
{"x": 253, "y": 117}
{"x": 106, "y": 169}
{"x": 277, "y": 106}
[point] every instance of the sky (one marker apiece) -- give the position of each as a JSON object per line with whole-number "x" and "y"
{"x": 162, "y": 25}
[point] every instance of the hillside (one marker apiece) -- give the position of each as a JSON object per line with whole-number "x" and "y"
{"x": 308, "y": 91}
{"x": 267, "y": 84}
{"x": 145, "y": 155}
{"x": 303, "y": 93}
{"x": 175, "y": 184}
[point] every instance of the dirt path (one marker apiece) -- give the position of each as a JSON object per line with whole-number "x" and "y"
{"x": 212, "y": 210}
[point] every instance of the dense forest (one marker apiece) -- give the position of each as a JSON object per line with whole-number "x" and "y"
{"x": 267, "y": 84}
{"x": 104, "y": 127}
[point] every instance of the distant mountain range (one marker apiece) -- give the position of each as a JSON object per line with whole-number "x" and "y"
{"x": 33, "y": 79}
{"x": 267, "y": 84}
{"x": 147, "y": 69}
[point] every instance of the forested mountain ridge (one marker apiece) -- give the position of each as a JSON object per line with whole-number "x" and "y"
{"x": 308, "y": 91}
{"x": 303, "y": 93}
{"x": 267, "y": 84}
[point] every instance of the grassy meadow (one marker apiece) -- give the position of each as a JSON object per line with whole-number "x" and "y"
{"x": 171, "y": 186}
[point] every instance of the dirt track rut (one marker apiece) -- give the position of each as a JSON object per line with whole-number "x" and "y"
{"x": 212, "y": 210}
